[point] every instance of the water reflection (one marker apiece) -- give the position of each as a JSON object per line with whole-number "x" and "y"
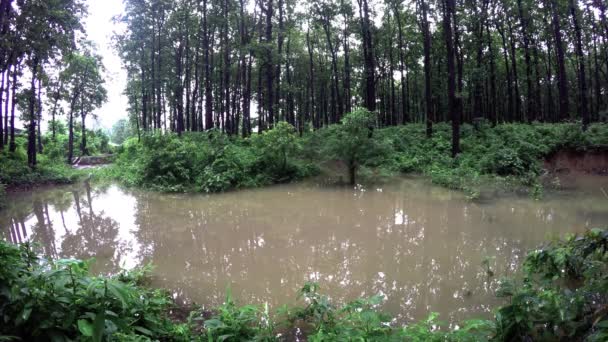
{"x": 419, "y": 245}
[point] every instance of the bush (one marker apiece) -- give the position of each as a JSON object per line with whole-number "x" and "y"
{"x": 508, "y": 155}
{"x": 60, "y": 301}
{"x": 353, "y": 143}
{"x": 16, "y": 173}
{"x": 564, "y": 294}
{"x": 211, "y": 161}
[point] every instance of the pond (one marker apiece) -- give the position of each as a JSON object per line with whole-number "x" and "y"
{"x": 421, "y": 246}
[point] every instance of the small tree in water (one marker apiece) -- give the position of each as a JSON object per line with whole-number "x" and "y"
{"x": 352, "y": 141}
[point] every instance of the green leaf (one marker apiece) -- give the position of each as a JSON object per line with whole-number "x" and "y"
{"x": 26, "y": 313}
{"x": 120, "y": 291}
{"x": 143, "y": 331}
{"x": 85, "y": 327}
{"x": 224, "y": 337}
{"x": 99, "y": 326}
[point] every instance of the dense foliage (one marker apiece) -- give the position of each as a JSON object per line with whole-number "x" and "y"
{"x": 501, "y": 156}
{"x": 58, "y": 300}
{"x": 506, "y": 154}
{"x": 561, "y": 295}
{"x": 211, "y": 162}
{"x": 52, "y": 167}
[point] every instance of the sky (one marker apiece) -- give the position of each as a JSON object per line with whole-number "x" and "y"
{"x": 99, "y": 29}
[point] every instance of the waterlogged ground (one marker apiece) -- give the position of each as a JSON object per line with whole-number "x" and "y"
{"x": 419, "y": 245}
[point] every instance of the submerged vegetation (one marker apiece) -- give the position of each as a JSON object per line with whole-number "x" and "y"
{"x": 560, "y": 295}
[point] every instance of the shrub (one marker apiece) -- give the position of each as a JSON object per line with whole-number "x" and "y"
{"x": 508, "y": 154}
{"x": 59, "y": 300}
{"x": 210, "y": 161}
{"x": 564, "y": 294}
{"x": 246, "y": 323}
{"x": 353, "y": 143}
{"x": 15, "y": 172}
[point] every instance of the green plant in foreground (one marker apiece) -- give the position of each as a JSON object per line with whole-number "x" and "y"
{"x": 60, "y": 301}
{"x": 246, "y": 323}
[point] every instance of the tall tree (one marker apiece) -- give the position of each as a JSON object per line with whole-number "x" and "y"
{"x": 369, "y": 61}
{"x": 582, "y": 79}
{"x": 562, "y": 78}
{"x": 448, "y": 13}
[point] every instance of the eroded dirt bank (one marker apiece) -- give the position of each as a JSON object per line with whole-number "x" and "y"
{"x": 573, "y": 161}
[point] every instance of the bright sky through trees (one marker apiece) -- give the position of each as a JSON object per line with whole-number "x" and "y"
{"x": 100, "y": 28}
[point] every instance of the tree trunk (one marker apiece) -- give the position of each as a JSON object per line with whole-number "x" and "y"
{"x": 368, "y": 57}
{"x": 509, "y": 113}
{"x": 334, "y": 64}
{"x": 449, "y": 8}
{"x": 597, "y": 69}
{"x": 31, "y": 142}
{"x": 144, "y": 97}
{"x": 311, "y": 80}
{"x": 562, "y": 78}
{"x": 208, "y": 89}
{"x": 550, "y": 111}
{"x": 71, "y": 128}
{"x": 12, "y": 146}
{"x": 352, "y": 173}
{"x": 56, "y": 98}
{"x": 39, "y": 116}
{"x": 269, "y": 70}
{"x": 582, "y": 79}
{"x": 347, "y": 77}
{"x": 428, "y": 96}
{"x": 404, "y": 113}
{"x": 289, "y": 111}
{"x": 531, "y": 110}
{"x": 517, "y": 115}
{"x": 493, "y": 114}
{"x": 279, "y": 61}
{"x": 5, "y": 75}
{"x": 227, "y": 67}
{"x": 83, "y": 143}
{"x": 7, "y": 95}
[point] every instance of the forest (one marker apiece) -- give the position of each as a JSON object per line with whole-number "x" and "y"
{"x": 480, "y": 97}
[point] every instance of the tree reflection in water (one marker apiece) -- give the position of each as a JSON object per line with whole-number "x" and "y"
{"x": 421, "y": 246}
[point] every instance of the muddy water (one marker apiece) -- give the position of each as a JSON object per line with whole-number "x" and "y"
{"x": 419, "y": 245}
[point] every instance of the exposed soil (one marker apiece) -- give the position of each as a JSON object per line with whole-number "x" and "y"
{"x": 572, "y": 161}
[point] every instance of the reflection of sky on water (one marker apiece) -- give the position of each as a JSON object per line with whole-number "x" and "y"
{"x": 420, "y": 246}
{"x": 114, "y": 203}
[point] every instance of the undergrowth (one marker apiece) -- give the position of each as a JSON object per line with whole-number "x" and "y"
{"x": 507, "y": 157}
{"x": 15, "y": 173}
{"x": 51, "y": 167}
{"x": 210, "y": 161}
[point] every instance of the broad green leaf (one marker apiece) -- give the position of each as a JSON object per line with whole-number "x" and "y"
{"x": 99, "y": 326}
{"x": 85, "y": 327}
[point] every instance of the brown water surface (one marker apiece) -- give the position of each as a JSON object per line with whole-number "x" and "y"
{"x": 421, "y": 246}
